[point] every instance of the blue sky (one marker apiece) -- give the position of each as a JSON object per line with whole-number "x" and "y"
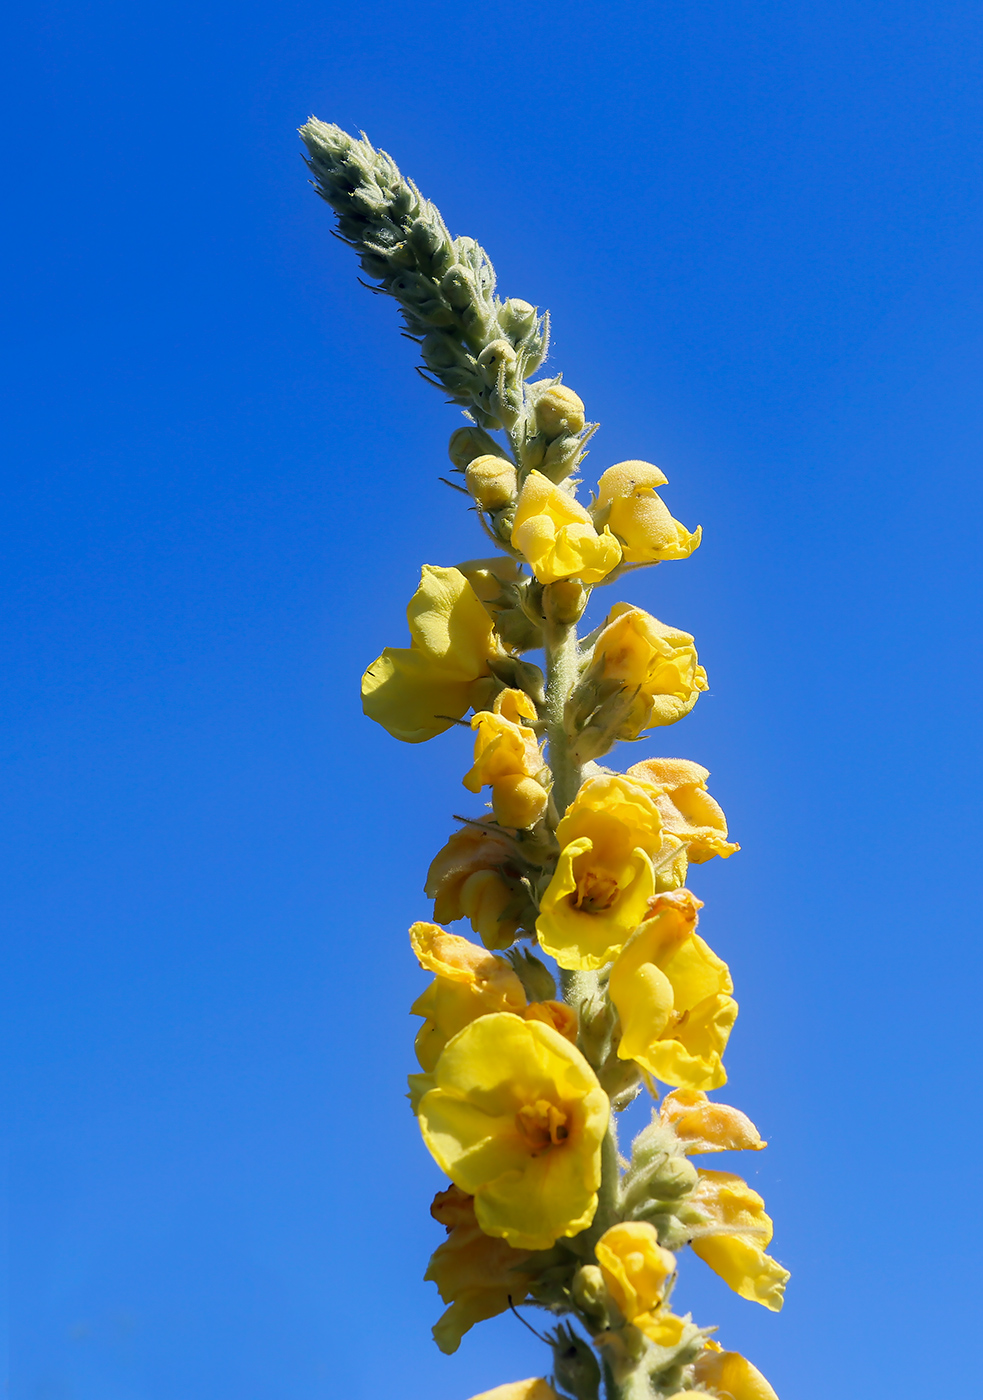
{"x": 758, "y": 230}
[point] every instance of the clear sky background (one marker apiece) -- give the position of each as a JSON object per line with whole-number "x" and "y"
{"x": 758, "y": 228}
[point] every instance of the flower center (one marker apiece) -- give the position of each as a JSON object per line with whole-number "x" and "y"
{"x": 543, "y": 1126}
{"x": 596, "y": 892}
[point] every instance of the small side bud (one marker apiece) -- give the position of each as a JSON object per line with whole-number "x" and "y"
{"x": 575, "y": 1367}
{"x": 458, "y": 288}
{"x": 491, "y": 481}
{"x": 674, "y": 1179}
{"x": 493, "y": 358}
{"x": 590, "y": 1292}
{"x": 468, "y": 443}
{"x": 535, "y": 976}
{"x": 517, "y": 319}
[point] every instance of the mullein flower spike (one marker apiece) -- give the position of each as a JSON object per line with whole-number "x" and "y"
{"x": 592, "y": 982}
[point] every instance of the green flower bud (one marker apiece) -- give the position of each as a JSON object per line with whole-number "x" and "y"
{"x": 575, "y": 1367}
{"x": 441, "y": 351}
{"x": 564, "y": 601}
{"x": 561, "y": 457}
{"x": 674, "y": 1178}
{"x": 458, "y": 288}
{"x": 620, "y": 1080}
{"x": 518, "y": 633}
{"x": 468, "y": 443}
{"x": 458, "y": 381}
{"x": 536, "y": 978}
{"x": 517, "y": 319}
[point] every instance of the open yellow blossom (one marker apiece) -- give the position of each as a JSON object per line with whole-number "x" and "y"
{"x": 635, "y": 1266}
{"x": 534, "y": 1389}
{"x": 703, "y": 1126}
{"x": 729, "y": 1373}
{"x": 688, "y": 811}
{"x": 469, "y": 982}
{"x": 672, "y": 994}
{"x": 627, "y": 502}
{"x": 516, "y": 1118}
{"x": 556, "y": 535}
{"x": 642, "y": 673}
{"x": 507, "y": 758}
{"x": 657, "y": 660}
{"x": 475, "y": 1274}
{"x": 604, "y": 879}
{"x": 471, "y": 877}
{"x": 735, "y": 1250}
{"x": 418, "y": 691}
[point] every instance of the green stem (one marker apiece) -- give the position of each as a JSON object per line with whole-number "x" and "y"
{"x": 561, "y": 672}
{"x": 607, "y": 1194}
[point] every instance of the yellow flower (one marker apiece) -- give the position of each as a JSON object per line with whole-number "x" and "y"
{"x": 472, "y": 877}
{"x": 469, "y": 983}
{"x": 703, "y": 1126}
{"x": 672, "y": 994}
{"x": 516, "y": 1118}
{"x": 533, "y": 1389}
{"x": 656, "y": 665}
{"x": 604, "y": 880}
{"x": 735, "y": 1250}
{"x": 418, "y": 691}
{"x": 635, "y": 1267}
{"x": 729, "y": 1374}
{"x": 507, "y": 758}
{"x": 627, "y": 502}
{"x": 689, "y": 814}
{"x": 475, "y": 1274}
{"x": 557, "y": 536}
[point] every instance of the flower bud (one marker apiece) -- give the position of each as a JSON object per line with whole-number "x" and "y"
{"x": 441, "y": 351}
{"x": 517, "y": 631}
{"x": 561, "y": 457}
{"x": 674, "y": 1178}
{"x": 590, "y": 1292}
{"x": 491, "y": 481}
{"x": 492, "y": 359}
{"x": 559, "y": 410}
{"x": 564, "y": 601}
{"x": 484, "y": 898}
{"x": 468, "y": 443}
{"x": 428, "y": 241}
{"x": 458, "y": 288}
{"x": 620, "y": 1080}
{"x": 517, "y": 318}
{"x": 534, "y": 975}
{"x": 518, "y": 801}
{"x": 575, "y": 1366}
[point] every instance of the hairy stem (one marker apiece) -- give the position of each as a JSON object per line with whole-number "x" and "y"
{"x": 561, "y": 672}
